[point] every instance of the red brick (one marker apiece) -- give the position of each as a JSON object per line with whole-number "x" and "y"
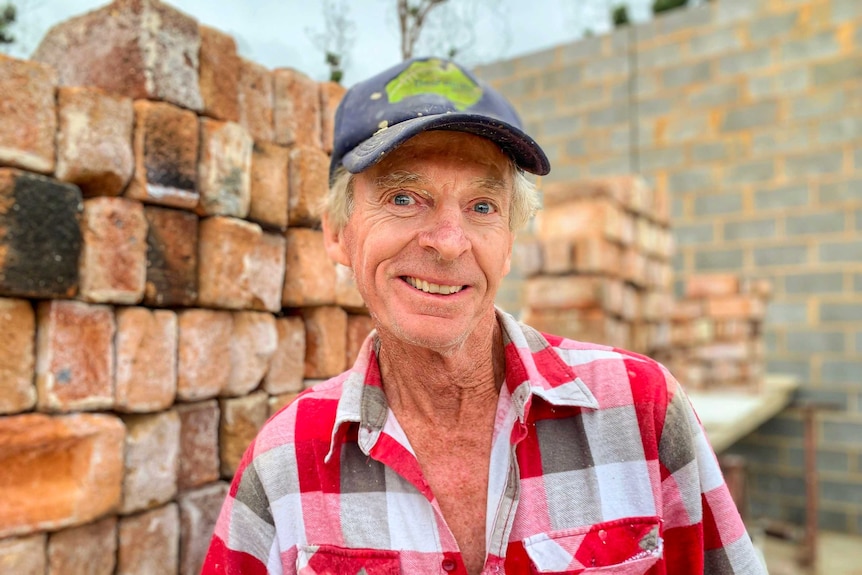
{"x": 241, "y": 419}
{"x": 728, "y": 307}
{"x": 596, "y": 218}
{"x": 86, "y": 550}
{"x": 325, "y": 341}
{"x": 268, "y": 269}
{"x": 278, "y": 402}
{"x": 631, "y": 303}
{"x": 331, "y": 94}
{"x": 297, "y": 109}
{"x": 137, "y": 48}
{"x": 59, "y": 471}
{"x": 310, "y": 276}
{"x": 24, "y": 555}
{"x": 166, "y": 155}
{"x": 146, "y": 359}
{"x": 256, "y": 100}
{"x": 709, "y": 285}
{"x": 94, "y": 140}
{"x": 288, "y": 363}
{"x": 113, "y": 265}
{"x": 199, "y": 451}
{"x": 597, "y": 255}
{"x": 346, "y": 293}
{"x": 358, "y": 328}
{"x": 219, "y": 74}
{"x": 252, "y": 347}
{"x": 657, "y": 305}
{"x": 634, "y": 266}
{"x": 269, "y": 185}
{"x": 151, "y": 460}
{"x": 734, "y": 329}
{"x": 149, "y": 542}
{"x": 603, "y": 190}
{"x": 17, "y": 356}
{"x": 199, "y": 511}
{"x": 564, "y": 292}
{"x": 203, "y": 353}
{"x": 172, "y": 258}
{"x": 34, "y": 263}
{"x": 760, "y": 288}
{"x": 557, "y": 257}
{"x": 224, "y": 169}
{"x": 28, "y": 117}
{"x": 308, "y": 184}
{"x": 74, "y": 356}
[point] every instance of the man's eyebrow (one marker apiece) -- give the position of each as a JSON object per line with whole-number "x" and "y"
{"x": 492, "y": 185}
{"x": 397, "y": 179}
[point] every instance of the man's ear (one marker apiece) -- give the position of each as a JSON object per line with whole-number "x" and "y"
{"x": 334, "y": 242}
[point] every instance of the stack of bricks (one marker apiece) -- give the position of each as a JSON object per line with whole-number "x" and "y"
{"x": 163, "y": 283}
{"x": 716, "y": 333}
{"x": 599, "y": 269}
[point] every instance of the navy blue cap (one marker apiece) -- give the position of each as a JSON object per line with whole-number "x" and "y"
{"x": 381, "y": 113}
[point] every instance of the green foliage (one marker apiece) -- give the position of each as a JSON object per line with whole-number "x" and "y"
{"x": 336, "y": 72}
{"x": 7, "y": 18}
{"x": 659, "y": 6}
{"x": 620, "y": 16}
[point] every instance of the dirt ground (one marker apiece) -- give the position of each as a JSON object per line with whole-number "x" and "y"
{"x": 838, "y": 554}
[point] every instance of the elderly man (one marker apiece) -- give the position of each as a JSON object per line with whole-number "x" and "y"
{"x": 462, "y": 441}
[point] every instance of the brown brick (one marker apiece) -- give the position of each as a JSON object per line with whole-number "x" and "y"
{"x": 34, "y": 263}
{"x": 588, "y": 218}
{"x": 166, "y": 155}
{"x": 58, "y": 471}
{"x": 325, "y": 341}
{"x": 151, "y": 460}
{"x": 17, "y": 355}
{"x": 113, "y": 265}
{"x": 633, "y": 266}
{"x": 278, "y": 402}
{"x": 557, "y": 257}
{"x": 616, "y": 190}
{"x": 241, "y": 418}
{"x": 331, "y": 94}
{"x": 224, "y": 169}
{"x": 24, "y": 555}
{"x": 597, "y": 255}
{"x": 297, "y": 109}
{"x": 252, "y": 347}
{"x": 256, "y": 100}
{"x": 146, "y": 359}
{"x": 199, "y": 511}
{"x": 729, "y": 307}
{"x": 269, "y": 185}
{"x": 308, "y": 183}
{"x": 86, "y": 550}
{"x": 94, "y": 140}
{"x": 28, "y": 116}
{"x": 199, "y": 462}
{"x": 358, "y": 328}
{"x": 656, "y": 305}
{"x": 709, "y": 285}
{"x": 137, "y": 48}
{"x": 288, "y": 363}
{"x": 564, "y": 292}
{"x": 309, "y": 273}
{"x": 268, "y": 267}
{"x": 203, "y": 353}
{"x": 219, "y": 74}
{"x": 149, "y": 542}
{"x": 74, "y": 356}
{"x": 584, "y": 325}
{"x": 172, "y": 257}
{"x": 346, "y": 293}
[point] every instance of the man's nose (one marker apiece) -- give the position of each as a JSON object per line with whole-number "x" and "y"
{"x": 445, "y": 233}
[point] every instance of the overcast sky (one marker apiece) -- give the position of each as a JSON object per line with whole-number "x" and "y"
{"x": 279, "y": 33}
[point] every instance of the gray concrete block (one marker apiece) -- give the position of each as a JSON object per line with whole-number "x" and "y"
{"x": 751, "y": 116}
{"x": 710, "y": 152}
{"x": 814, "y": 283}
{"x": 859, "y": 219}
{"x": 660, "y": 158}
{"x": 661, "y": 56}
{"x": 838, "y": 131}
{"x": 720, "y": 203}
{"x": 678, "y": 262}
{"x": 848, "y": 432}
{"x": 611, "y": 166}
{"x": 693, "y": 234}
{"x": 817, "y": 105}
{"x": 744, "y": 62}
{"x": 496, "y": 70}
{"x": 542, "y": 107}
{"x": 783, "y": 83}
{"x": 844, "y": 10}
{"x": 783, "y": 313}
{"x": 541, "y": 60}
{"x": 519, "y": 87}
{"x": 582, "y": 50}
{"x": 650, "y": 107}
{"x": 684, "y": 19}
{"x": 714, "y": 95}
{"x": 620, "y": 139}
{"x": 840, "y": 312}
{"x": 749, "y": 230}
{"x": 566, "y": 173}
{"x": 610, "y": 116}
{"x": 783, "y": 255}
{"x": 604, "y": 68}
{"x": 716, "y": 260}
{"x": 621, "y": 91}
{"x": 841, "y": 371}
{"x": 815, "y": 223}
{"x": 677, "y": 207}
{"x": 799, "y": 167}
{"x": 716, "y": 42}
{"x": 783, "y": 425}
{"x": 562, "y": 125}
{"x": 687, "y": 74}
{"x": 842, "y": 492}
{"x": 750, "y": 172}
{"x": 646, "y": 133}
{"x": 772, "y": 26}
{"x": 774, "y": 141}
{"x": 858, "y": 158}
{"x": 566, "y": 77}
{"x": 576, "y": 147}
{"x": 585, "y": 97}
{"x": 646, "y": 83}
{"x": 809, "y": 341}
{"x": 827, "y": 459}
{"x": 783, "y": 197}
{"x": 687, "y": 128}
{"x": 732, "y": 11}
{"x": 691, "y": 180}
{"x": 829, "y": 73}
{"x": 822, "y": 45}
{"x": 844, "y": 251}
{"x": 857, "y": 286}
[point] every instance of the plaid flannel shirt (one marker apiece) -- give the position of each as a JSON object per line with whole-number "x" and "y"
{"x": 598, "y": 465}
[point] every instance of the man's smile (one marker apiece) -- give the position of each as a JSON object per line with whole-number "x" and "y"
{"x": 428, "y": 287}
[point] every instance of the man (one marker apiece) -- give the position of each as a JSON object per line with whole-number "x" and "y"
{"x": 462, "y": 441}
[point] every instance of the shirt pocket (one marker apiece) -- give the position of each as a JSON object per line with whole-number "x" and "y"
{"x": 334, "y": 560}
{"x": 629, "y": 546}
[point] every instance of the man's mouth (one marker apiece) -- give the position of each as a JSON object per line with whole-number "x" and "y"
{"x": 432, "y": 288}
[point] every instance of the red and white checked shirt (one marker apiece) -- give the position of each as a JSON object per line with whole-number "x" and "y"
{"x": 598, "y": 465}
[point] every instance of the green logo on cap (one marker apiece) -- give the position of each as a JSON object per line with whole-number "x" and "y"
{"x": 435, "y": 77}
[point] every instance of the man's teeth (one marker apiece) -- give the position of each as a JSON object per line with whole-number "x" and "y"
{"x": 432, "y": 288}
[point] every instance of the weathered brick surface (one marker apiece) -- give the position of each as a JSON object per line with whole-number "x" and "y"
{"x": 94, "y": 140}
{"x": 308, "y": 183}
{"x": 149, "y": 542}
{"x": 203, "y": 353}
{"x": 86, "y": 550}
{"x": 269, "y": 186}
{"x": 279, "y": 402}
{"x": 325, "y": 341}
{"x": 199, "y": 452}
{"x": 241, "y": 418}
{"x": 32, "y": 262}
{"x": 17, "y": 355}
{"x": 74, "y": 356}
{"x": 166, "y": 155}
{"x": 27, "y": 115}
{"x": 199, "y": 511}
{"x": 219, "y": 74}
{"x": 113, "y": 264}
{"x": 288, "y": 362}
{"x": 146, "y": 353}
{"x": 346, "y": 293}
{"x": 310, "y": 277}
{"x": 172, "y": 257}
{"x": 296, "y": 113}
{"x": 256, "y": 100}
{"x": 224, "y": 169}
{"x": 151, "y": 460}
{"x": 24, "y": 555}
{"x": 59, "y": 471}
{"x": 331, "y": 94}
{"x": 358, "y": 328}
{"x": 252, "y": 346}
{"x": 137, "y": 48}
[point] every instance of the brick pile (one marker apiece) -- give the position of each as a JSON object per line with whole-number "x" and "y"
{"x": 599, "y": 268}
{"x": 163, "y": 286}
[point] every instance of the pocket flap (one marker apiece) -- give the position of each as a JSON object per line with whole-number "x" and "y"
{"x": 334, "y": 560}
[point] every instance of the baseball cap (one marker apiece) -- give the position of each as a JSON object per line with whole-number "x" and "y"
{"x": 381, "y": 113}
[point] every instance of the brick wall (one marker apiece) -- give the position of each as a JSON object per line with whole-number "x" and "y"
{"x": 748, "y": 113}
{"x": 163, "y": 283}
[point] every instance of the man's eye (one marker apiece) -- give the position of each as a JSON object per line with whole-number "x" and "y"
{"x": 484, "y": 207}
{"x": 402, "y": 200}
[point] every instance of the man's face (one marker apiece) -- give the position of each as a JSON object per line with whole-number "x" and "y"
{"x": 429, "y": 239}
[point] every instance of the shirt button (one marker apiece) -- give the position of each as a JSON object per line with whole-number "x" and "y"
{"x": 449, "y": 565}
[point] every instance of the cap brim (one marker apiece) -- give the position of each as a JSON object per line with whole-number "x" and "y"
{"x": 522, "y": 148}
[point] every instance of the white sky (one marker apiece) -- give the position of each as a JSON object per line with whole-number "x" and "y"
{"x": 278, "y": 33}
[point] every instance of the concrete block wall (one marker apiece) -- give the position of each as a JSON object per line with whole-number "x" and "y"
{"x": 163, "y": 284}
{"x": 748, "y": 114}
